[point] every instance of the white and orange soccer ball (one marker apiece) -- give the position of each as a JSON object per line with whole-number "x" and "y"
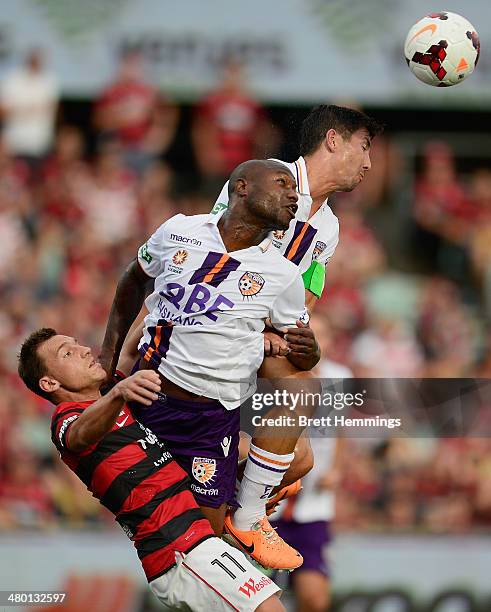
{"x": 442, "y": 49}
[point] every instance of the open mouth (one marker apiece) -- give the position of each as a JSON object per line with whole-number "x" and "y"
{"x": 292, "y": 209}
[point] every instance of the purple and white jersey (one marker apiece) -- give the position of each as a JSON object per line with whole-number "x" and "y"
{"x": 307, "y": 239}
{"x": 208, "y": 309}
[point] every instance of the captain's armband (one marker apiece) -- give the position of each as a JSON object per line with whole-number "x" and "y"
{"x": 314, "y": 278}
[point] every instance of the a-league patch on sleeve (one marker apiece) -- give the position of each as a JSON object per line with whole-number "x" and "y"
{"x": 144, "y": 254}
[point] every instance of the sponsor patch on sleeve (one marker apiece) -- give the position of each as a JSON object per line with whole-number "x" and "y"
{"x": 144, "y": 254}
{"x": 64, "y": 427}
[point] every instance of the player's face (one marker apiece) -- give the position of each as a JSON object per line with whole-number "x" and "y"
{"x": 353, "y": 160}
{"x": 273, "y": 198}
{"x": 70, "y": 363}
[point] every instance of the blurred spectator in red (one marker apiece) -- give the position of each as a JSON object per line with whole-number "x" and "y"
{"x": 62, "y": 172}
{"x": 359, "y": 257}
{"x": 441, "y": 205}
{"x": 344, "y": 303}
{"x": 156, "y": 202}
{"x": 480, "y": 194}
{"x": 359, "y": 489}
{"x": 29, "y": 100}
{"x": 16, "y": 213}
{"x": 443, "y": 214}
{"x": 108, "y": 198}
{"x": 482, "y": 458}
{"x": 359, "y": 253}
{"x": 327, "y": 366}
{"x": 480, "y": 241}
{"x": 388, "y": 348}
{"x": 133, "y": 112}
{"x": 229, "y": 127}
{"x": 445, "y": 330}
{"x": 24, "y": 501}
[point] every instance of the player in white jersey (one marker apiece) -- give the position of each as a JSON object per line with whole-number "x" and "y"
{"x": 217, "y": 300}
{"x": 217, "y": 279}
{"x": 334, "y": 156}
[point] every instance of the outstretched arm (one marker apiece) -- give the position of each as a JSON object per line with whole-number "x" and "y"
{"x": 99, "y": 418}
{"x": 128, "y": 301}
{"x": 129, "y": 352}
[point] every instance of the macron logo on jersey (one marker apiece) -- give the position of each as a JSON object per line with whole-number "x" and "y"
{"x": 185, "y": 239}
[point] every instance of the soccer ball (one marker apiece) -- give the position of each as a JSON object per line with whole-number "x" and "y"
{"x": 442, "y": 49}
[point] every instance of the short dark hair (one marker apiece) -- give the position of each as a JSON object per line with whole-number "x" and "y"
{"x": 31, "y": 367}
{"x": 325, "y": 117}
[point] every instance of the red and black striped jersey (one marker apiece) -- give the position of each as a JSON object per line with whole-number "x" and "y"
{"x": 133, "y": 475}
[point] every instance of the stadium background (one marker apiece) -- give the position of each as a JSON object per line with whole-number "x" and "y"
{"x": 408, "y": 291}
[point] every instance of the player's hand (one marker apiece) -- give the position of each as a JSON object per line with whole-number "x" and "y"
{"x": 274, "y": 345}
{"x": 301, "y": 340}
{"x": 141, "y": 387}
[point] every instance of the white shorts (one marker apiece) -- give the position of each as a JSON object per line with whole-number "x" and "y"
{"x": 213, "y": 576}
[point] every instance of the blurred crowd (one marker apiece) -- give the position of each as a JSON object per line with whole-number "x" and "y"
{"x": 77, "y": 201}
{"x": 424, "y": 485}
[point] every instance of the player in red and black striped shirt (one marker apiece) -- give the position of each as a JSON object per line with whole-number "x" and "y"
{"x": 131, "y": 472}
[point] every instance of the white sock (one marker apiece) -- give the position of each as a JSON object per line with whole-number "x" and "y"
{"x": 263, "y": 471}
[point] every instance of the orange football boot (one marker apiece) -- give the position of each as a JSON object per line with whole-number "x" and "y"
{"x": 264, "y": 545}
{"x": 284, "y": 493}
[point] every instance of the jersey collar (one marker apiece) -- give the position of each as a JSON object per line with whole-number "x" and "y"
{"x": 300, "y": 171}
{"x": 214, "y": 218}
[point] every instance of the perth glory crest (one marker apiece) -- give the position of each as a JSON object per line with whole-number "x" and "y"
{"x": 203, "y": 469}
{"x": 250, "y": 284}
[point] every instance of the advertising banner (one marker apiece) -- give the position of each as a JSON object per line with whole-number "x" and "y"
{"x": 294, "y": 51}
